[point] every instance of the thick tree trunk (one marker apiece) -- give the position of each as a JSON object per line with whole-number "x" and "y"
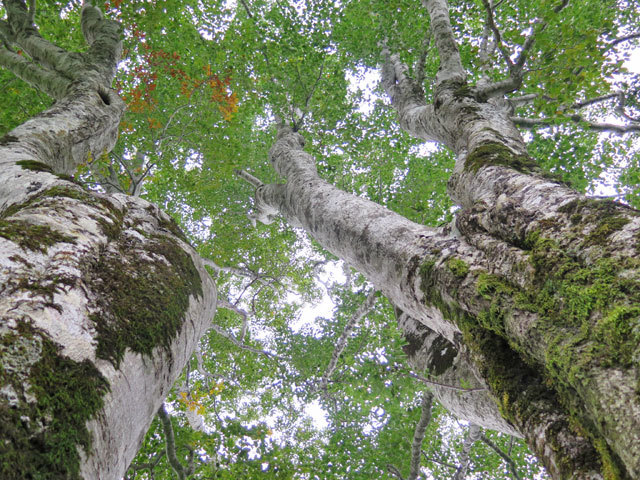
{"x": 535, "y": 283}
{"x": 102, "y": 300}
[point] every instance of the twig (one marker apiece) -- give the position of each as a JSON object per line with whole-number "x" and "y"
{"x": 439, "y": 462}
{"x": 358, "y": 315}
{"x": 507, "y": 459}
{"x": 229, "y": 336}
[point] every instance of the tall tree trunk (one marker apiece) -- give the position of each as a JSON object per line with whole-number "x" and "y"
{"x": 102, "y": 300}
{"x": 535, "y": 283}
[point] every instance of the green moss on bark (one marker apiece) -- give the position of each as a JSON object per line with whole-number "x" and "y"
{"x": 589, "y": 317}
{"x": 145, "y": 289}
{"x": 32, "y": 237}
{"x": 111, "y": 225}
{"x": 44, "y": 418}
{"x": 36, "y": 166}
{"x": 498, "y": 154}
{"x": 458, "y": 267}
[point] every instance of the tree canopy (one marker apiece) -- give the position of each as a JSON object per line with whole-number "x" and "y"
{"x": 279, "y": 389}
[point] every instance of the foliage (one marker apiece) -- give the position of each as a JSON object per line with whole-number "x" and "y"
{"x": 203, "y": 82}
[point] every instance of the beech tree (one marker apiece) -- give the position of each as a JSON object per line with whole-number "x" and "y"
{"x": 532, "y": 282}
{"x": 516, "y": 305}
{"x": 102, "y": 299}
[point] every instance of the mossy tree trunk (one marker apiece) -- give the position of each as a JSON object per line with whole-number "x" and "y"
{"x": 534, "y": 283}
{"x": 102, "y": 300}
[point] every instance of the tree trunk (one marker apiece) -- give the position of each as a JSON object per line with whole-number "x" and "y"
{"x": 102, "y": 300}
{"x": 535, "y": 283}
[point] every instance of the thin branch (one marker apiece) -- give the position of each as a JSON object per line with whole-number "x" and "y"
{"x": 207, "y": 374}
{"x": 241, "y": 272}
{"x": 357, "y": 316}
{"x": 170, "y": 443}
{"x": 239, "y": 311}
{"x": 516, "y": 69}
{"x": 246, "y": 176}
{"x": 490, "y": 22}
{"x": 533, "y": 123}
{"x": 626, "y": 38}
{"x": 473, "y": 434}
{"x": 511, "y": 465}
{"x": 229, "y": 336}
{"x": 418, "y": 435}
{"x": 419, "y": 70}
{"x": 426, "y": 381}
{"x": 439, "y": 462}
{"x": 394, "y": 471}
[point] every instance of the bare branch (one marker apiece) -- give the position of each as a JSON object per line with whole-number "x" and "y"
{"x": 439, "y": 462}
{"x": 241, "y": 272}
{"x": 490, "y": 22}
{"x": 246, "y": 176}
{"x": 533, "y": 123}
{"x": 626, "y": 38}
{"x": 418, "y": 435}
{"x": 513, "y": 468}
{"x": 357, "y": 316}
{"x": 394, "y": 471}
{"x": 239, "y": 311}
{"x": 516, "y": 69}
{"x": 523, "y": 99}
{"x": 170, "y": 443}
{"x": 229, "y": 336}
{"x": 473, "y": 434}
{"x": 422, "y": 58}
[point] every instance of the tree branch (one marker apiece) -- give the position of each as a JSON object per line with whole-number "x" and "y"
{"x": 246, "y": 176}
{"x": 170, "y": 443}
{"x": 357, "y": 316}
{"x": 450, "y": 63}
{"x": 473, "y": 434}
{"x": 533, "y": 123}
{"x": 418, "y": 435}
{"x": 516, "y": 69}
{"x": 394, "y": 471}
{"x": 229, "y": 336}
{"x": 422, "y": 58}
{"x": 511, "y": 465}
{"x": 491, "y": 24}
{"x": 626, "y": 38}
{"x": 47, "y": 81}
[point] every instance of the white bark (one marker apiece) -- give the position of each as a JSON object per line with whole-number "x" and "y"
{"x": 472, "y": 401}
{"x": 416, "y": 268}
{"x": 86, "y": 360}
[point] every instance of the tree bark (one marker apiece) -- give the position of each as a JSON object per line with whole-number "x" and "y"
{"x": 102, "y": 300}
{"x": 534, "y": 283}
